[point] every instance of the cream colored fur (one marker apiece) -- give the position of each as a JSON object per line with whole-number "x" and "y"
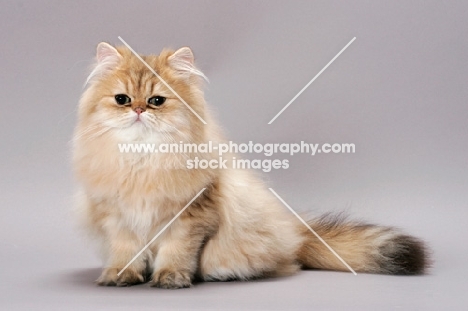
{"x": 235, "y": 230}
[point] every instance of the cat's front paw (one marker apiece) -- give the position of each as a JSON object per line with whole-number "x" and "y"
{"x": 128, "y": 277}
{"x": 166, "y": 278}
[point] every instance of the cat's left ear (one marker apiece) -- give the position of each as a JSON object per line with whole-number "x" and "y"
{"x": 181, "y": 58}
{"x": 183, "y": 62}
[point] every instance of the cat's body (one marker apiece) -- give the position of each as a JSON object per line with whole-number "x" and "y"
{"x": 236, "y": 229}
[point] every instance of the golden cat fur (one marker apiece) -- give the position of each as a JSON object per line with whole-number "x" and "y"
{"x": 236, "y": 229}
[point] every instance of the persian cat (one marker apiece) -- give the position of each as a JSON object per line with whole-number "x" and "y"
{"x": 236, "y": 229}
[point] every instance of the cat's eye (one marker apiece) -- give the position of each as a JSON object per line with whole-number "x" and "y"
{"x": 156, "y": 100}
{"x": 122, "y": 99}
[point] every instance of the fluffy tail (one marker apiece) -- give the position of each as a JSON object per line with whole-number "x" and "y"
{"x": 366, "y": 248}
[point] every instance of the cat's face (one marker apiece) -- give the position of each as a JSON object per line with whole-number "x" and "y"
{"x": 126, "y": 99}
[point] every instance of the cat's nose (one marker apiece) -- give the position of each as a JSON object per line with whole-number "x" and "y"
{"x": 139, "y": 110}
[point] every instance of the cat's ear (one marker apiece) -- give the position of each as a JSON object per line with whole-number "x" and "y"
{"x": 183, "y": 62}
{"x": 108, "y": 58}
{"x": 106, "y": 53}
{"x": 182, "y": 57}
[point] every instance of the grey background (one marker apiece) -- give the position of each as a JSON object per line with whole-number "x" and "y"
{"x": 398, "y": 93}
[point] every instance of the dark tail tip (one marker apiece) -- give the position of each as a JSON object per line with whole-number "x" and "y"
{"x": 404, "y": 255}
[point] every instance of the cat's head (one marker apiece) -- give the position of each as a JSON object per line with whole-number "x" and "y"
{"x": 126, "y": 99}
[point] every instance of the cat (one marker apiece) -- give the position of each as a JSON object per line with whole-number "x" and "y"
{"x": 235, "y": 230}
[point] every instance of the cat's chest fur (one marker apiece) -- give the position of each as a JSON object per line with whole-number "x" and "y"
{"x": 142, "y": 194}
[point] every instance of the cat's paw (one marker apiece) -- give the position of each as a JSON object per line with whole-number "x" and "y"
{"x": 128, "y": 277}
{"x": 167, "y": 278}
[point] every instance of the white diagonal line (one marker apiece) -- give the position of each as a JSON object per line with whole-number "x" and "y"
{"x": 313, "y": 79}
{"x": 311, "y": 230}
{"x": 160, "y": 232}
{"x": 162, "y": 80}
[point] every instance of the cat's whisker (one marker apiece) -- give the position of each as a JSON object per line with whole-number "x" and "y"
{"x": 82, "y": 133}
{"x": 155, "y": 119}
{"x": 166, "y": 133}
{"x": 125, "y": 117}
{"x": 91, "y": 128}
{"x": 97, "y": 134}
{"x": 170, "y": 125}
{"x": 155, "y": 124}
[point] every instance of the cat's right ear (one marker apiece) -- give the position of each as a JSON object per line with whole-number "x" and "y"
{"x": 106, "y": 53}
{"x": 107, "y": 58}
